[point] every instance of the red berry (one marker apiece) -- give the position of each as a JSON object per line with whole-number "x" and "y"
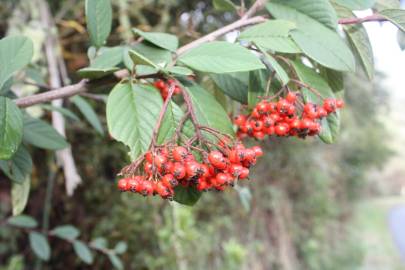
{"x": 258, "y": 151}
{"x": 160, "y": 84}
{"x": 321, "y": 112}
{"x": 217, "y": 160}
{"x": 192, "y": 169}
{"x": 178, "y": 170}
{"x": 169, "y": 181}
{"x": 291, "y": 97}
{"x": 235, "y": 169}
{"x": 123, "y": 184}
{"x": 257, "y": 125}
{"x": 262, "y": 107}
{"x": 305, "y": 123}
{"x": 147, "y": 188}
{"x": 340, "y": 103}
{"x": 281, "y": 129}
{"x": 221, "y": 179}
{"x": 310, "y": 111}
{"x": 244, "y": 173}
{"x": 255, "y": 113}
{"x": 179, "y": 153}
{"x": 240, "y": 120}
{"x": 133, "y": 183}
{"x": 259, "y": 135}
{"x": 329, "y": 104}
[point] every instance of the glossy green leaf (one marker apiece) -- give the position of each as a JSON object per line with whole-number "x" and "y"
{"x": 234, "y": 85}
{"x": 316, "y": 40}
{"x": 108, "y": 57}
{"x": 208, "y": 111}
{"x": 19, "y": 195}
{"x": 132, "y": 112}
{"x": 158, "y": 56}
{"x": 63, "y": 111}
{"x": 224, "y": 5}
{"x": 356, "y": 4}
{"x": 4, "y": 90}
{"x": 19, "y": 167}
{"x": 22, "y": 221}
{"x": 313, "y": 79}
{"x": 334, "y": 79}
{"x": 66, "y": 232}
{"x": 115, "y": 261}
{"x": 171, "y": 120}
{"x": 221, "y": 57}
{"x": 11, "y": 127}
{"x": 83, "y": 252}
{"x": 120, "y": 247}
{"x": 42, "y": 135}
{"x": 100, "y": 243}
{"x": 87, "y": 110}
{"x": 281, "y": 73}
{"x": 161, "y": 40}
{"x": 177, "y": 70}
{"x": 96, "y": 73}
{"x": 396, "y": 16}
{"x": 139, "y": 59}
{"x": 272, "y": 35}
{"x": 187, "y": 196}
{"x": 15, "y": 53}
{"x": 319, "y": 10}
{"x": 257, "y": 86}
{"x": 331, "y": 125}
{"x": 39, "y": 244}
{"x": 387, "y": 4}
{"x": 99, "y": 20}
{"x": 358, "y": 38}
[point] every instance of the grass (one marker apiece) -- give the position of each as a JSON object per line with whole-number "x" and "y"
{"x": 371, "y": 224}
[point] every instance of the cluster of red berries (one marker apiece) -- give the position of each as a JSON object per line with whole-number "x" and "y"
{"x": 285, "y": 117}
{"x": 164, "y": 86}
{"x": 172, "y": 166}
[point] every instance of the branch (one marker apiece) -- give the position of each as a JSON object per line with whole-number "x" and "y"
{"x": 371, "y": 18}
{"x": 81, "y": 86}
{"x": 62, "y": 92}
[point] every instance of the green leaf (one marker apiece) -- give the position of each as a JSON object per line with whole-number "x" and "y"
{"x": 334, "y": 79}
{"x": 224, "y": 5}
{"x": 316, "y": 40}
{"x": 356, "y": 4}
{"x": 387, "y": 4}
{"x": 161, "y": 40}
{"x": 158, "y": 56}
{"x": 19, "y": 195}
{"x": 313, "y": 79}
{"x": 6, "y": 86}
{"x": 170, "y": 122}
{"x": 66, "y": 232}
{"x": 234, "y": 85}
{"x": 319, "y": 10}
{"x": 281, "y": 73}
{"x": 88, "y": 112}
{"x": 139, "y": 59}
{"x": 95, "y": 73}
{"x": 42, "y": 135}
{"x": 120, "y": 247}
{"x": 108, "y": 57}
{"x": 272, "y": 35}
{"x": 396, "y": 16}
{"x": 100, "y": 243}
{"x": 132, "y": 112}
{"x": 19, "y": 167}
{"x": 39, "y": 244}
{"x": 63, "y": 111}
{"x": 257, "y": 86}
{"x": 99, "y": 20}
{"x": 115, "y": 261}
{"x": 22, "y": 221}
{"x": 11, "y": 127}
{"x": 15, "y": 53}
{"x": 83, "y": 252}
{"x": 330, "y": 125}
{"x": 221, "y": 57}
{"x": 208, "y": 111}
{"x": 358, "y": 38}
{"x": 186, "y": 195}
{"x": 177, "y": 70}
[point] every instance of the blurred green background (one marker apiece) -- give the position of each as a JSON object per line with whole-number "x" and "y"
{"x": 308, "y": 205}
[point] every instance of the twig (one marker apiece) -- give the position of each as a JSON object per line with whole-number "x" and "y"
{"x": 81, "y": 86}
{"x": 190, "y": 108}
{"x": 371, "y": 18}
{"x": 220, "y": 32}
{"x": 302, "y": 84}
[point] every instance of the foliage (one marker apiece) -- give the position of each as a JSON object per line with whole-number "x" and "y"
{"x": 300, "y": 42}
